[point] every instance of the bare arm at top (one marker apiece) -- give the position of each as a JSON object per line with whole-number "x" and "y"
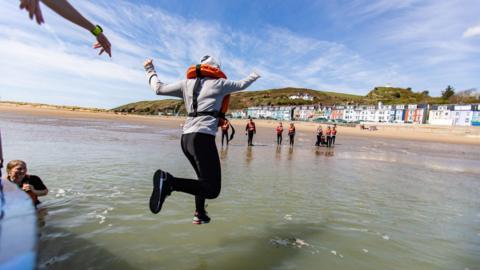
{"x": 67, "y": 11}
{"x": 234, "y": 86}
{"x": 160, "y": 88}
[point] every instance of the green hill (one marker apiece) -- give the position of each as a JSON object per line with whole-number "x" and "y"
{"x": 279, "y": 97}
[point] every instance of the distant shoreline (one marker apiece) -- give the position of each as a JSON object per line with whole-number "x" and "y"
{"x": 445, "y": 134}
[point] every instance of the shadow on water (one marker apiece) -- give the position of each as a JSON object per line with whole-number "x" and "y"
{"x": 62, "y": 249}
{"x": 275, "y": 248}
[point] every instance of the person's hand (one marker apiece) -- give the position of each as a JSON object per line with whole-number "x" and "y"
{"x": 255, "y": 74}
{"x": 148, "y": 63}
{"x": 27, "y": 187}
{"x": 104, "y": 44}
{"x": 33, "y": 8}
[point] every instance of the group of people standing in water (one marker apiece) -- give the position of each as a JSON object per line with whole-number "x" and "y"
{"x": 323, "y": 138}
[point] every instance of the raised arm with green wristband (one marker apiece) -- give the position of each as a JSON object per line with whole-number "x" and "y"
{"x": 66, "y": 10}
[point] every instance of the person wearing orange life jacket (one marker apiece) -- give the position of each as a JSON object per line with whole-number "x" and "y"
{"x": 328, "y": 133}
{"x": 334, "y": 134}
{"x": 204, "y": 91}
{"x": 250, "y": 130}
{"x": 225, "y": 126}
{"x": 279, "y": 131}
{"x": 291, "y": 133}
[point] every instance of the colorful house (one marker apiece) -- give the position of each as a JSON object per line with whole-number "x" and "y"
{"x": 338, "y": 113}
{"x": 476, "y": 115}
{"x": 399, "y": 113}
{"x": 305, "y": 112}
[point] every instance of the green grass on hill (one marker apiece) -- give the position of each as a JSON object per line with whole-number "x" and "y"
{"x": 279, "y": 97}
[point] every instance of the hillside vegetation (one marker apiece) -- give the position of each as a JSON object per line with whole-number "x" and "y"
{"x": 280, "y": 97}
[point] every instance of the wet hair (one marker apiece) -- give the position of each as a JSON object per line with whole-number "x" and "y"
{"x": 14, "y": 163}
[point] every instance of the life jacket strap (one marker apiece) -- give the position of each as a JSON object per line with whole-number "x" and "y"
{"x": 215, "y": 114}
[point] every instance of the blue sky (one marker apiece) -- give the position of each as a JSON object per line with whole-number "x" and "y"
{"x": 343, "y": 46}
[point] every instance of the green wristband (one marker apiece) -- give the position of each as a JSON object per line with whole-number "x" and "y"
{"x": 97, "y": 30}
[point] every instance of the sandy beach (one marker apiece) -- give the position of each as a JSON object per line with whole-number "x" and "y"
{"x": 446, "y": 134}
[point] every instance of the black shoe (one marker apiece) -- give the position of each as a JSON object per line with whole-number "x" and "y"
{"x": 161, "y": 189}
{"x": 200, "y": 218}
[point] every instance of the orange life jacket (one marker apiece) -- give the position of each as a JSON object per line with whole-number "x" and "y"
{"x": 279, "y": 130}
{"x": 211, "y": 72}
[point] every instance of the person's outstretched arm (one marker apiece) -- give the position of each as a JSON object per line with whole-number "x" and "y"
{"x": 160, "y": 88}
{"x": 234, "y": 86}
{"x": 64, "y": 9}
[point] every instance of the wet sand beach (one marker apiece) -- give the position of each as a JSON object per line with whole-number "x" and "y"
{"x": 429, "y": 133}
{"x": 371, "y": 202}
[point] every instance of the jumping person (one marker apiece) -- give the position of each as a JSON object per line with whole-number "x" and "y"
{"x": 225, "y": 126}
{"x": 279, "y": 131}
{"x": 250, "y": 130}
{"x": 291, "y": 133}
{"x": 319, "y": 135}
{"x": 204, "y": 93}
{"x": 31, "y": 184}
{"x": 67, "y": 11}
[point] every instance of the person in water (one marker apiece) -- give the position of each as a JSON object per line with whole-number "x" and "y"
{"x": 225, "y": 126}
{"x": 203, "y": 104}
{"x": 329, "y": 136}
{"x": 291, "y": 133}
{"x": 334, "y": 134}
{"x": 31, "y": 184}
{"x": 319, "y": 135}
{"x": 250, "y": 130}
{"x": 67, "y": 11}
{"x": 279, "y": 131}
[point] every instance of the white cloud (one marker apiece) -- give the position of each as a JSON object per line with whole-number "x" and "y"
{"x": 472, "y": 31}
{"x": 55, "y": 61}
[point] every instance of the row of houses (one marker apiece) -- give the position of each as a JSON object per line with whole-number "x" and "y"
{"x": 461, "y": 115}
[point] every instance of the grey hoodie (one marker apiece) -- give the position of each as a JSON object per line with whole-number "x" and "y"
{"x": 210, "y": 97}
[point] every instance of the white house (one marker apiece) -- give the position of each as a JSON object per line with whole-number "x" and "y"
{"x": 384, "y": 113}
{"x": 301, "y": 96}
{"x": 462, "y": 115}
{"x": 350, "y": 114}
{"x": 367, "y": 113}
{"x": 440, "y": 115}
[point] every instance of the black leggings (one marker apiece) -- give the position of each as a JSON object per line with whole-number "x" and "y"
{"x": 329, "y": 141}
{"x": 319, "y": 140}
{"x": 292, "y": 138}
{"x": 250, "y": 138}
{"x": 201, "y": 151}
{"x": 279, "y": 138}
{"x": 225, "y": 135}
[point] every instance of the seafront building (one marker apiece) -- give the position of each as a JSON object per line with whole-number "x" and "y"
{"x": 455, "y": 114}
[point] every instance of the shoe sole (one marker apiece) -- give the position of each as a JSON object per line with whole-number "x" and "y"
{"x": 155, "y": 198}
{"x": 200, "y": 222}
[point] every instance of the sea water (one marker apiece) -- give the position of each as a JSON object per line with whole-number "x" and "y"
{"x": 367, "y": 203}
